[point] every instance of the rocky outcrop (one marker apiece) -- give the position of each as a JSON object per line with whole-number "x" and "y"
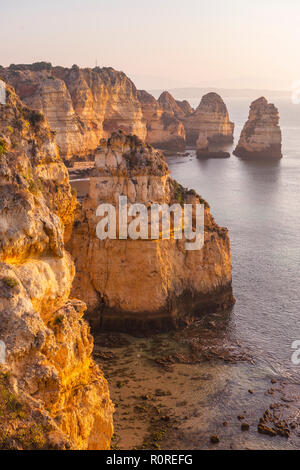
{"x": 261, "y": 135}
{"x": 164, "y": 130}
{"x": 81, "y": 105}
{"x": 179, "y": 109}
{"x": 210, "y": 119}
{"x": 185, "y": 107}
{"x": 203, "y": 150}
{"x": 52, "y": 394}
{"x": 142, "y": 284}
{"x": 85, "y": 105}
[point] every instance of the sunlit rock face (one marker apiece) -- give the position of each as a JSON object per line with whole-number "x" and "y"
{"x": 61, "y": 398}
{"x": 81, "y": 105}
{"x": 85, "y": 105}
{"x": 210, "y": 118}
{"x": 164, "y": 130}
{"x": 179, "y": 109}
{"x": 145, "y": 284}
{"x": 261, "y": 135}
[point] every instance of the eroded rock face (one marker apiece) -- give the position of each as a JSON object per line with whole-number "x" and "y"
{"x": 85, "y": 105}
{"x": 81, "y": 105}
{"x": 211, "y": 119}
{"x": 261, "y": 135}
{"x": 203, "y": 150}
{"x": 52, "y": 395}
{"x": 145, "y": 284}
{"x": 164, "y": 129}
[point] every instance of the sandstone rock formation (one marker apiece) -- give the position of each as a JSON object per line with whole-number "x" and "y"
{"x": 210, "y": 118}
{"x": 81, "y": 105}
{"x": 261, "y": 135}
{"x": 145, "y": 284}
{"x": 164, "y": 130}
{"x": 202, "y": 142}
{"x": 179, "y": 109}
{"x": 85, "y": 105}
{"x": 52, "y": 394}
{"x": 203, "y": 150}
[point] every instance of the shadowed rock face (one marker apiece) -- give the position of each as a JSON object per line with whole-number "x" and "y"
{"x": 261, "y": 135}
{"x": 164, "y": 129}
{"x": 61, "y": 398}
{"x": 210, "y": 118}
{"x": 176, "y": 108}
{"x": 144, "y": 285}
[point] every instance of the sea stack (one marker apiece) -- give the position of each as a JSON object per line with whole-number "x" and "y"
{"x": 261, "y": 135}
{"x": 210, "y": 118}
{"x": 145, "y": 284}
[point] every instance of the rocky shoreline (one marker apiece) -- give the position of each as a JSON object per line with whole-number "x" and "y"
{"x": 155, "y": 409}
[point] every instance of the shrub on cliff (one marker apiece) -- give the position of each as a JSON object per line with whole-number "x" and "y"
{"x": 3, "y": 147}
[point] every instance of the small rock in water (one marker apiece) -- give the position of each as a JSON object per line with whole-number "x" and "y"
{"x": 264, "y": 429}
{"x": 245, "y": 426}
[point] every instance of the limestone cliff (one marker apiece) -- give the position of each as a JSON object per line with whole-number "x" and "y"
{"x": 85, "y": 105}
{"x": 52, "y": 394}
{"x": 211, "y": 119}
{"x": 164, "y": 130}
{"x": 145, "y": 284}
{"x": 261, "y": 135}
{"x": 81, "y": 105}
{"x": 204, "y": 151}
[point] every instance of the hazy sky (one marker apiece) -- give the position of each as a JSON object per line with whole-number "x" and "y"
{"x": 161, "y": 43}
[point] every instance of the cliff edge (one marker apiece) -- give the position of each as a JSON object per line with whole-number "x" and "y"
{"x": 52, "y": 394}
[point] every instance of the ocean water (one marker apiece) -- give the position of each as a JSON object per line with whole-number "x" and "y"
{"x": 259, "y": 202}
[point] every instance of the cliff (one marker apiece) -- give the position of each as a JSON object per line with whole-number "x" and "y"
{"x": 210, "y": 118}
{"x": 81, "y": 105}
{"x": 261, "y": 135}
{"x": 84, "y": 105}
{"x": 142, "y": 284}
{"x": 164, "y": 130}
{"x": 52, "y": 394}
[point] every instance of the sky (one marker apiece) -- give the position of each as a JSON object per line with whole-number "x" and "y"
{"x": 161, "y": 43}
